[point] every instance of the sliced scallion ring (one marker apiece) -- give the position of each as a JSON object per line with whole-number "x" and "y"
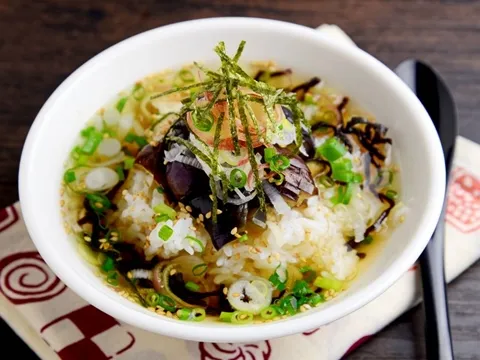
{"x": 200, "y": 269}
{"x": 242, "y": 317}
{"x": 250, "y": 295}
{"x": 194, "y": 241}
{"x": 279, "y": 163}
{"x": 269, "y": 313}
{"x": 238, "y": 178}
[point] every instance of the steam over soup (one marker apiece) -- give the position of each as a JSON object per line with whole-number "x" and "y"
{"x": 245, "y": 194}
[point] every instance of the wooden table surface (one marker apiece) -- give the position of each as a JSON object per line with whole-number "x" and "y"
{"x": 43, "y": 41}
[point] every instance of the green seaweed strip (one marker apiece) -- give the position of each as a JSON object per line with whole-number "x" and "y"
{"x": 251, "y": 154}
{"x": 196, "y": 151}
{"x": 253, "y": 117}
{"x": 216, "y": 142}
{"x": 213, "y": 187}
{"x": 220, "y": 49}
{"x": 239, "y": 51}
{"x": 174, "y": 90}
{"x": 228, "y": 63}
{"x": 213, "y": 184}
{"x": 231, "y": 115}
{"x": 218, "y": 90}
{"x": 208, "y": 72}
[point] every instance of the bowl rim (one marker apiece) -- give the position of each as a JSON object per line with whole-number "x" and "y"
{"x": 257, "y": 332}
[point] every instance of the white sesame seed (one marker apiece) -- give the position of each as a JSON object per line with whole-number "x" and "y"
{"x": 234, "y": 231}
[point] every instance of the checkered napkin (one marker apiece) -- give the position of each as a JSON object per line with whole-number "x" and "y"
{"x": 57, "y": 324}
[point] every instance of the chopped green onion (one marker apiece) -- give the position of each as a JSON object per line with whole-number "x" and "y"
{"x": 78, "y": 156}
{"x": 198, "y": 314}
{"x": 140, "y": 140}
{"x": 316, "y": 299}
{"x": 194, "y": 240}
{"x": 128, "y": 162}
{"x": 347, "y": 195}
{"x": 269, "y": 153}
{"x": 69, "y": 176}
{"x": 243, "y": 238}
{"x": 305, "y": 269}
{"x": 278, "y": 178}
{"x": 108, "y": 264}
{"x": 120, "y": 173}
{"x": 87, "y": 131}
{"x": 160, "y": 190}
{"x": 382, "y": 174}
{"x": 203, "y": 120}
{"x": 138, "y": 92}
{"x": 342, "y": 170}
{"x": 301, "y": 288}
{"x": 328, "y": 283}
{"x": 164, "y": 209}
{"x": 238, "y": 178}
{"x": 190, "y": 285}
{"x": 289, "y": 304}
{"x": 241, "y": 317}
{"x": 357, "y": 178}
{"x": 391, "y": 194}
{"x": 184, "y": 314}
{"x": 112, "y": 278}
{"x": 165, "y": 232}
{"x": 121, "y": 104}
{"x": 93, "y": 140}
{"x": 343, "y": 176}
{"x": 226, "y": 316}
{"x": 98, "y": 202}
{"x": 161, "y": 218}
{"x": 325, "y": 181}
{"x": 308, "y": 273}
{"x": 269, "y": 313}
{"x": 152, "y": 298}
{"x": 200, "y": 269}
{"x": 344, "y": 194}
{"x": 368, "y": 240}
{"x": 167, "y": 303}
{"x": 275, "y": 280}
{"x": 278, "y": 309}
{"x": 331, "y": 150}
{"x": 279, "y": 163}
{"x": 186, "y": 76}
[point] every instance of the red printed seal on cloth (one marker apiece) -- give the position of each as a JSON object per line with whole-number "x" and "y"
{"x": 258, "y": 351}
{"x": 463, "y": 206}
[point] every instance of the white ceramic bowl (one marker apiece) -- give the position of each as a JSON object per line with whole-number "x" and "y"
{"x": 303, "y": 49}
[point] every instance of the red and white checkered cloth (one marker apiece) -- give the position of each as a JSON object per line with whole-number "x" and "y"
{"x": 57, "y": 324}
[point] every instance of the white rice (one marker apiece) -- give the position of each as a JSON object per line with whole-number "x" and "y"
{"x": 315, "y": 234}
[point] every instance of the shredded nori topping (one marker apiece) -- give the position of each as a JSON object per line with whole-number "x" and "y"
{"x": 227, "y": 85}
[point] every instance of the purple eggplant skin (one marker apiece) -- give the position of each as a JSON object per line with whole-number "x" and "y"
{"x": 308, "y": 142}
{"x": 297, "y": 177}
{"x": 232, "y": 216}
{"x": 189, "y": 185}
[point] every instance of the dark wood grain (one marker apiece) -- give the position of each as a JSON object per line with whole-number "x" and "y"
{"x": 43, "y": 41}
